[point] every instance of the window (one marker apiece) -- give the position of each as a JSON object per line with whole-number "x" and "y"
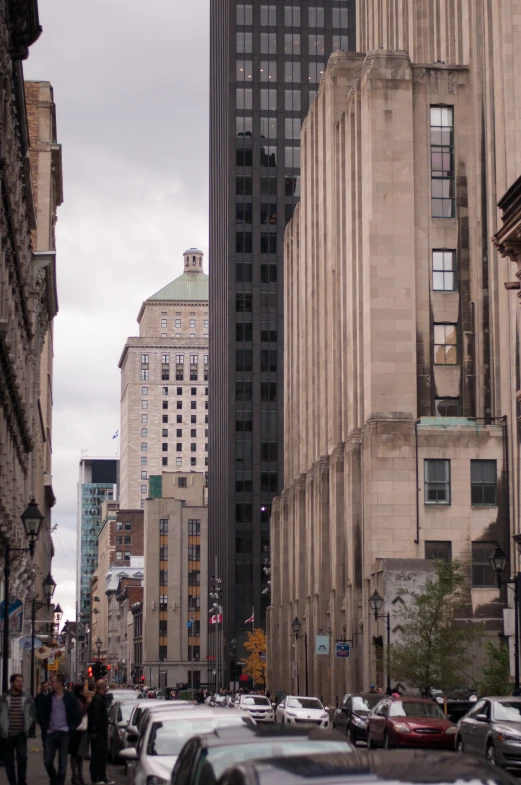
{"x": 193, "y": 404}
{"x": 437, "y": 482}
{"x": 243, "y": 71}
{"x": 163, "y": 526}
{"x": 179, "y": 447}
{"x": 292, "y": 156}
{"x": 243, "y": 513}
{"x": 445, "y": 344}
{"x": 164, "y": 418}
{"x": 268, "y": 15}
{"x": 163, "y": 577}
{"x": 179, "y": 391}
{"x": 316, "y": 72}
{"x": 340, "y": 17}
{"x": 243, "y": 481}
{"x": 144, "y": 447}
{"x": 163, "y": 628}
{"x": 179, "y": 367}
{"x": 194, "y": 360}
{"x": 178, "y": 324}
{"x": 268, "y": 273}
{"x": 244, "y": 15}
{"x": 268, "y": 332}
{"x": 243, "y": 421}
{"x": 316, "y": 45}
{"x": 268, "y": 243}
{"x": 182, "y": 482}
{"x": 193, "y": 447}
{"x": 144, "y": 391}
{"x": 194, "y": 578}
{"x": 268, "y": 101}
{"x": 292, "y": 16}
{"x": 292, "y": 71}
{"x": 194, "y": 527}
{"x": 193, "y": 433}
{"x": 164, "y": 461}
{"x": 268, "y": 43}
{"x": 268, "y": 71}
{"x": 443, "y": 269}
{"x": 269, "y": 482}
{"x": 268, "y": 360}
{"x": 128, "y": 526}
{"x": 243, "y": 99}
{"x": 292, "y": 100}
{"x": 193, "y": 390}
{"x": 340, "y": 44}
{"x": 144, "y": 461}
{"x": 292, "y": 128}
{"x": 194, "y": 553}
{"x": 194, "y": 603}
{"x": 164, "y": 390}
{"x": 163, "y": 322}
{"x": 316, "y": 17}
{"x": 165, "y": 367}
{"x": 269, "y": 391}
{"x": 119, "y": 555}
{"x": 145, "y": 376}
{"x": 268, "y": 127}
{"x": 243, "y": 542}
{"x": 268, "y": 157}
{"x": 164, "y": 447}
{"x": 243, "y": 42}
{"x": 145, "y": 358}
{"x": 442, "y": 161}
{"x": 447, "y": 407}
{"x": 482, "y": 573}
{"x": 243, "y": 391}
{"x": 144, "y": 431}
{"x": 244, "y": 332}
{"x": 163, "y": 653}
{"x": 164, "y": 432}
{"x": 119, "y": 540}
{"x": 269, "y": 451}
{"x": 178, "y": 461}
{"x": 163, "y": 602}
{"x": 292, "y": 186}
{"x": 439, "y": 551}
{"x": 144, "y": 404}
{"x": 483, "y": 482}
{"x": 243, "y": 302}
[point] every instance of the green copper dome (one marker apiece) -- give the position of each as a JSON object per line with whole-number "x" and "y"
{"x": 189, "y": 286}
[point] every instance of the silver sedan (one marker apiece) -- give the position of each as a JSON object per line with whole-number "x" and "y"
{"x": 492, "y": 729}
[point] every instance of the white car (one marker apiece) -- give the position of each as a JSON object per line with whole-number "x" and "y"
{"x": 299, "y": 711}
{"x": 163, "y": 737}
{"x": 258, "y": 707}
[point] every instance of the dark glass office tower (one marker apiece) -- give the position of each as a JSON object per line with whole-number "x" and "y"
{"x": 266, "y": 64}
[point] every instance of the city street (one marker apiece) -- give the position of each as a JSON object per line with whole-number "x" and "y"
{"x": 36, "y": 774}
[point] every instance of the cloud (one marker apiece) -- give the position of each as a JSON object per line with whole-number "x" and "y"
{"x": 131, "y": 89}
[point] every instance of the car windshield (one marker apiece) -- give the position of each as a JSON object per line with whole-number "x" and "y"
{"x": 304, "y": 703}
{"x": 126, "y": 711}
{"x": 255, "y": 700}
{"x": 365, "y": 704}
{"x": 168, "y": 737}
{"x": 416, "y": 709}
{"x": 217, "y": 759}
{"x": 507, "y": 711}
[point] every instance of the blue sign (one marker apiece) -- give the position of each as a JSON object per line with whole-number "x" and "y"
{"x": 16, "y": 619}
{"x": 189, "y": 623}
{"x": 343, "y": 651}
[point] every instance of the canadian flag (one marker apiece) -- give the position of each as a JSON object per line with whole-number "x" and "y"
{"x": 251, "y": 619}
{"x": 216, "y": 619}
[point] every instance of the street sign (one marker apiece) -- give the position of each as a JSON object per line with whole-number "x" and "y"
{"x": 343, "y": 651}
{"x": 322, "y": 644}
{"x": 16, "y": 617}
{"x": 262, "y": 656}
{"x": 294, "y": 670}
{"x": 52, "y": 666}
{"x": 26, "y": 643}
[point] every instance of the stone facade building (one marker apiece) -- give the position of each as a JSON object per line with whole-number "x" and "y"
{"x": 400, "y": 364}
{"x": 175, "y": 602}
{"x": 164, "y": 384}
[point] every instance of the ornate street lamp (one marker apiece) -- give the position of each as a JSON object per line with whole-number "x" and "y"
{"x": 32, "y": 520}
{"x": 49, "y": 585}
{"x": 296, "y": 625}
{"x": 99, "y": 644}
{"x": 376, "y": 602}
{"x": 498, "y": 561}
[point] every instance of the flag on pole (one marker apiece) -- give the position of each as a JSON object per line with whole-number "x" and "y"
{"x": 116, "y": 435}
{"x": 252, "y": 617}
{"x": 216, "y": 618}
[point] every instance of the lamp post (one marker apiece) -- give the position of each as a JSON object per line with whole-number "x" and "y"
{"x": 32, "y": 520}
{"x": 99, "y": 644}
{"x": 498, "y": 562}
{"x": 376, "y": 604}
{"x": 49, "y": 586}
{"x": 296, "y": 625}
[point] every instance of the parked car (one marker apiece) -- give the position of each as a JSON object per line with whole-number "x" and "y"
{"x": 121, "y": 695}
{"x": 492, "y": 729}
{"x": 258, "y": 706}
{"x": 119, "y": 715}
{"x": 370, "y": 768}
{"x": 352, "y": 715}
{"x": 410, "y": 722}
{"x": 205, "y": 757}
{"x": 300, "y": 710}
{"x": 458, "y": 700}
{"x": 131, "y": 728}
{"x": 165, "y": 734}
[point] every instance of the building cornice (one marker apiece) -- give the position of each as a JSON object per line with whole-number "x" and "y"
{"x": 24, "y": 27}
{"x": 160, "y": 343}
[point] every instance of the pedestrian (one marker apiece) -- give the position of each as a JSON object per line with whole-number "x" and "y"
{"x": 59, "y": 715}
{"x": 17, "y": 719}
{"x": 372, "y": 688}
{"x": 98, "y": 726}
{"x": 44, "y": 690}
{"x": 79, "y": 742}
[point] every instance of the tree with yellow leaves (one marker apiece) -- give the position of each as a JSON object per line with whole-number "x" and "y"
{"x": 255, "y": 667}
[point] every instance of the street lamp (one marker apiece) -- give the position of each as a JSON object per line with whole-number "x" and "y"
{"x": 32, "y": 520}
{"x": 49, "y": 585}
{"x": 48, "y": 589}
{"x": 376, "y": 602}
{"x": 296, "y": 625}
{"x": 498, "y": 561}
{"x": 99, "y": 644}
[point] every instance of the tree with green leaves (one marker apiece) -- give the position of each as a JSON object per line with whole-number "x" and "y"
{"x": 496, "y": 671}
{"x": 434, "y": 645}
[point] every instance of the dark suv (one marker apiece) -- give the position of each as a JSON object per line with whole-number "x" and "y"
{"x": 351, "y": 716}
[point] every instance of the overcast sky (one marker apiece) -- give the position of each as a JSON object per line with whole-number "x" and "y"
{"x": 130, "y": 83}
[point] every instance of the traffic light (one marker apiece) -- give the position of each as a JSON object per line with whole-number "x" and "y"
{"x": 90, "y": 674}
{"x": 97, "y": 670}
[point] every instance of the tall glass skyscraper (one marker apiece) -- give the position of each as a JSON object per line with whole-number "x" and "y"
{"x": 266, "y": 65}
{"x": 98, "y": 482}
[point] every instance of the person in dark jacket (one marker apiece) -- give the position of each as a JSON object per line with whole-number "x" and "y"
{"x": 97, "y": 728}
{"x": 45, "y": 689}
{"x": 59, "y": 716}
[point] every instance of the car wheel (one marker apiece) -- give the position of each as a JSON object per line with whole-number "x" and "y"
{"x": 491, "y": 754}
{"x": 387, "y": 743}
{"x": 460, "y": 747}
{"x": 370, "y": 743}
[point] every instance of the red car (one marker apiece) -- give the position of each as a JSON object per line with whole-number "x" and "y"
{"x": 410, "y": 722}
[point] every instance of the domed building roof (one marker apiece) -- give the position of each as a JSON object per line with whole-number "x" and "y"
{"x": 189, "y": 286}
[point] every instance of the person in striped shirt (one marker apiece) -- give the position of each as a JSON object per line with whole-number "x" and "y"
{"x": 17, "y": 718}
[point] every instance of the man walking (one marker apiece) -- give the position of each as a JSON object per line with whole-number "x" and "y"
{"x": 59, "y": 716}
{"x": 17, "y": 717}
{"x": 45, "y": 689}
{"x": 98, "y": 726}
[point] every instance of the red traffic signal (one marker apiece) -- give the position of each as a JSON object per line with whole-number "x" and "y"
{"x": 89, "y": 672}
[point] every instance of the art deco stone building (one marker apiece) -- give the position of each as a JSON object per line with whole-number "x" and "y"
{"x": 164, "y": 384}
{"x": 401, "y": 353}
{"x": 31, "y": 187}
{"x": 175, "y": 601}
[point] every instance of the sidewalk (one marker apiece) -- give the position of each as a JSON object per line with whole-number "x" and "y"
{"x": 36, "y": 774}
